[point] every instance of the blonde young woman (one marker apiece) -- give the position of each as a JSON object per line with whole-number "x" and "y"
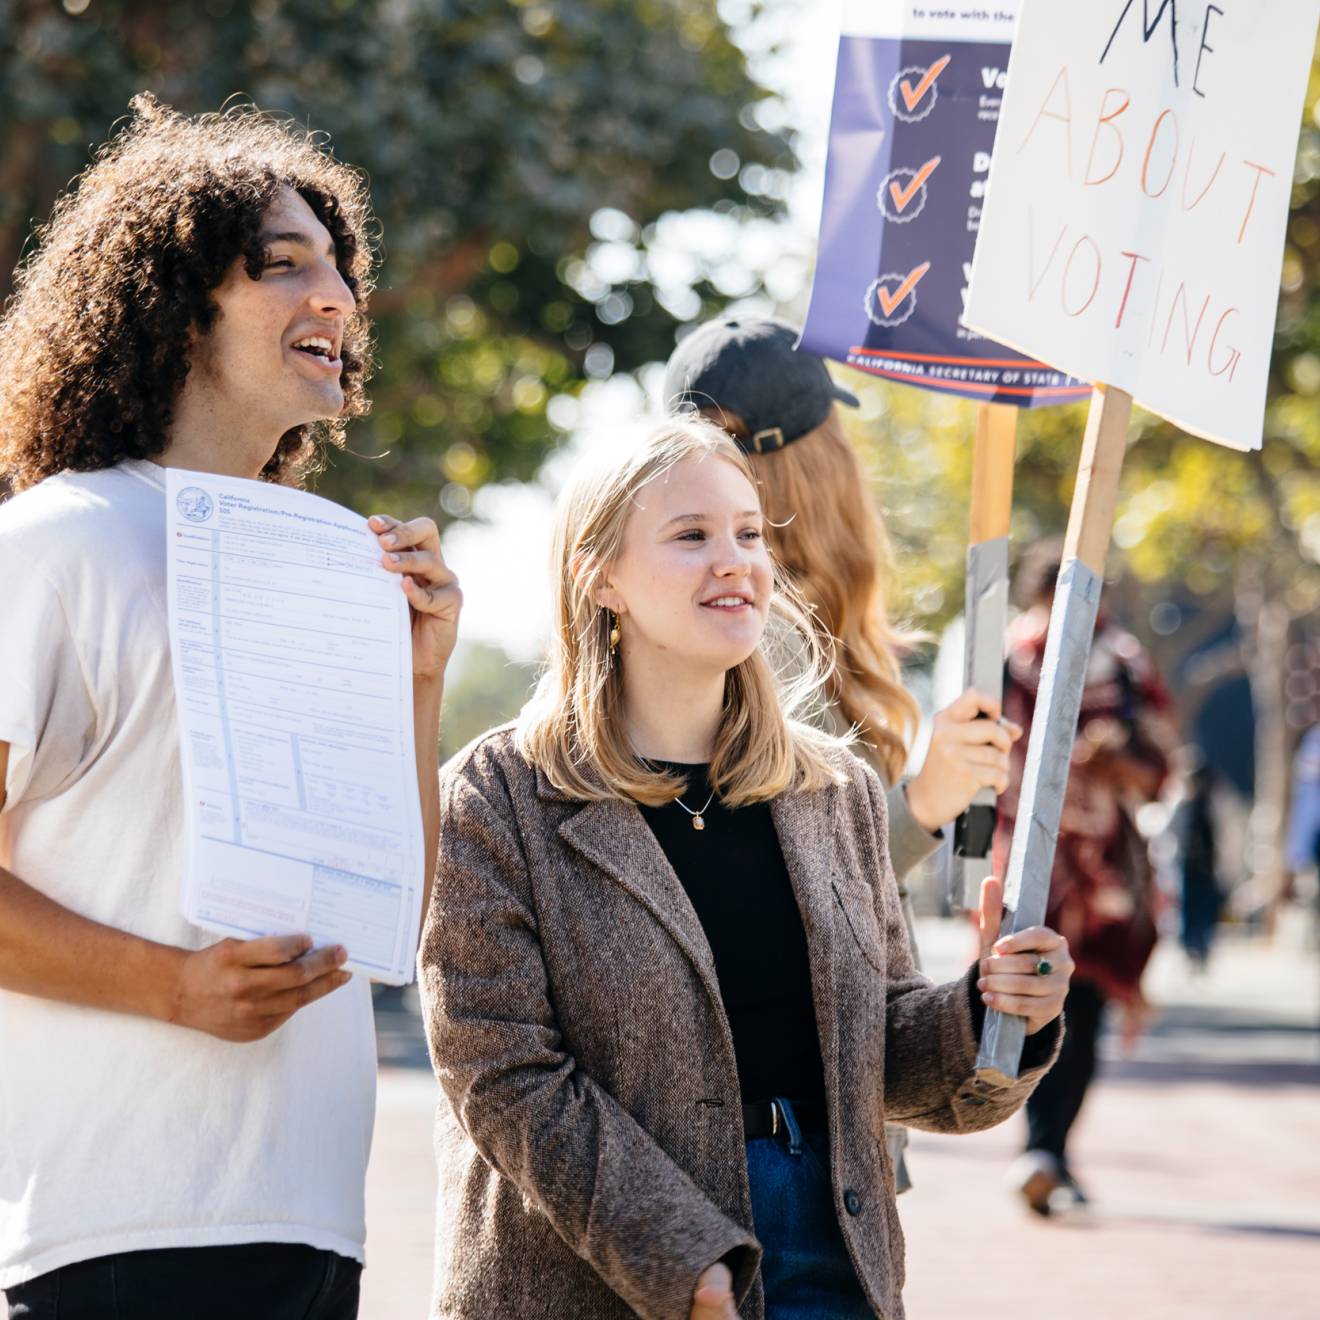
{"x": 780, "y": 406}
{"x": 666, "y": 983}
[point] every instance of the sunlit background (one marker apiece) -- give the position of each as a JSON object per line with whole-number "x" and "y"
{"x": 565, "y": 188}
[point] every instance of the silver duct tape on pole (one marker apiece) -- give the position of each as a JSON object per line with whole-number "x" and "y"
{"x": 1049, "y": 755}
{"x": 986, "y": 614}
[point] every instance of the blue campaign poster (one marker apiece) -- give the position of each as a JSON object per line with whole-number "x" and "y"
{"x": 916, "y": 105}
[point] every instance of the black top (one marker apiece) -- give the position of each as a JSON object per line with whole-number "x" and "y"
{"x": 734, "y": 874}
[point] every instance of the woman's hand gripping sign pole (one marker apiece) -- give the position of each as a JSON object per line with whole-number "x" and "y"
{"x": 1132, "y": 233}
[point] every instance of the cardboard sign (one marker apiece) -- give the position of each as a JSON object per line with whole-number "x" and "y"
{"x": 1134, "y": 226}
{"x": 916, "y": 104}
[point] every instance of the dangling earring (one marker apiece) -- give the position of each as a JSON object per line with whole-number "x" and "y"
{"x": 615, "y": 634}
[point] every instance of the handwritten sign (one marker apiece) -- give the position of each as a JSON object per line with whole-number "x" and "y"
{"x": 1134, "y": 225}
{"x": 916, "y": 104}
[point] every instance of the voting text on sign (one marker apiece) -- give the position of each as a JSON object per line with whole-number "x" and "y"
{"x": 1134, "y": 225}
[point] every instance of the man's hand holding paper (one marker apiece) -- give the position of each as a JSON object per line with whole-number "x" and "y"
{"x": 308, "y": 688}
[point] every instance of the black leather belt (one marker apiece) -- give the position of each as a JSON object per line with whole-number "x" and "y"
{"x": 767, "y": 1120}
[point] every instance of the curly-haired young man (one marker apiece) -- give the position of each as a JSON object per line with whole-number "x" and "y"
{"x": 184, "y": 1126}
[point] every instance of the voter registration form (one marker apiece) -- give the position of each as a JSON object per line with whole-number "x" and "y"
{"x": 292, "y": 667}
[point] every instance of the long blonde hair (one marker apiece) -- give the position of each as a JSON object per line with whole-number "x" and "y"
{"x": 826, "y": 532}
{"x": 572, "y": 727}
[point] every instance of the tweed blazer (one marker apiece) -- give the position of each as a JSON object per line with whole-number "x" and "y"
{"x": 590, "y": 1143}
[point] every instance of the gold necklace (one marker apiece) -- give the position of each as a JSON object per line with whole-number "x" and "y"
{"x": 698, "y": 817}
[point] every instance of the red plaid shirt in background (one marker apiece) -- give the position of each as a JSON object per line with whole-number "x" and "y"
{"x": 1102, "y": 895}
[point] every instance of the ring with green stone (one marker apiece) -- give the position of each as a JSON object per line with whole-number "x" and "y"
{"x": 1044, "y": 967}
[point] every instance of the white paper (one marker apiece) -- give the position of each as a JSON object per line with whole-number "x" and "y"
{"x": 1134, "y": 225}
{"x": 293, "y": 676}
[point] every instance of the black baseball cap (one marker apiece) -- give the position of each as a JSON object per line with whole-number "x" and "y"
{"x": 749, "y": 366}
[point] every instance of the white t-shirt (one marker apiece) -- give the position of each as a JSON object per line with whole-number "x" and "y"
{"x": 120, "y": 1133}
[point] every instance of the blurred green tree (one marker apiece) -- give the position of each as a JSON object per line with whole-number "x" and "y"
{"x": 520, "y": 153}
{"x": 487, "y": 689}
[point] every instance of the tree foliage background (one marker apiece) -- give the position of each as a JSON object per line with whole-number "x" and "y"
{"x": 520, "y": 154}
{"x": 526, "y": 157}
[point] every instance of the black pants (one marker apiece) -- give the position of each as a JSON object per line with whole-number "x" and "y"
{"x": 263, "y": 1281}
{"x": 1055, "y": 1103}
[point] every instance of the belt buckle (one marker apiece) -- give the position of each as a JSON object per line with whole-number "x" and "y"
{"x": 774, "y": 1118}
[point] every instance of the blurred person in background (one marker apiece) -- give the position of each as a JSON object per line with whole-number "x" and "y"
{"x": 667, "y": 986}
{"x": 823, "y": 527}
{"x": 1304, "y": 816}
{"x": 1102, "y": 886}
{"x": 1194, "y": 829}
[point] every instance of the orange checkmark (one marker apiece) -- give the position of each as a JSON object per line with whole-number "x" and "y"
{"x": 912, "y": 95}
{"x": 903, "y": 195}
{"x": 890, "y": 302}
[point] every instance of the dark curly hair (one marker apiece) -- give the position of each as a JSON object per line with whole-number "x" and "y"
{"x": 90, "y": 361}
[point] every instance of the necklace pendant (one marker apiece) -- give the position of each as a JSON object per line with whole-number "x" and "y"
{"x": 698, "y": 822}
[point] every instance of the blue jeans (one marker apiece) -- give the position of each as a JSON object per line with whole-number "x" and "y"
{"x": 806, "y": 1269}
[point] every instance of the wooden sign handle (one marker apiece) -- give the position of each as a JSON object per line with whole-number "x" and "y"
{"x": 992, "y": 471}
{"x": 1091, "y": 520}
{"x": 985, "y": 620}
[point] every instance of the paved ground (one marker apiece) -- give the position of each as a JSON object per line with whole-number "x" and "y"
{"x": 1201, "y": 1153}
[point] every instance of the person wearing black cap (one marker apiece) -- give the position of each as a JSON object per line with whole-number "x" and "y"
{"x": 780, "y": 405}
